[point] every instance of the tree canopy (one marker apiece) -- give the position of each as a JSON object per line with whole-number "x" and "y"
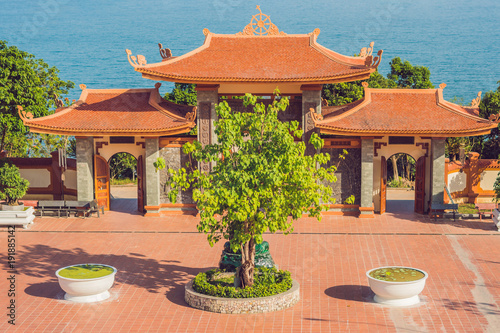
{"x": 182, "y": 93}
{"x": 489, "y": 145}
{"x": 30, "y": 83}
{"x": 260, "y": 178}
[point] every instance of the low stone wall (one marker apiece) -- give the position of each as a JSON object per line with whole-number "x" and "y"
{"x": 242, "y": 305}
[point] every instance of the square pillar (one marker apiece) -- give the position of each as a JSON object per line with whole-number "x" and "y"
{"x": 311, "y": 99}
{"x": 208, "y": 97}
{"x": 437, "y": 170}
{"x": 85, "y": 168}
{"x": 152, "y": 178}
{"x": 366, "y": 206}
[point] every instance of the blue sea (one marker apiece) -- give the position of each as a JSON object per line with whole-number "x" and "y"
{"x": 458, "y": 40}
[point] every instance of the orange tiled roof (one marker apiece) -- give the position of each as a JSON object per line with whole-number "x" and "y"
{"x": 253, "y": 58}
{"x": 402, "y": 112}
{"x": 116, "y": 112}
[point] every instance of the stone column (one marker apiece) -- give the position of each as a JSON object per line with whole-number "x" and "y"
{"x": 437, "y": 170}
{"x": 208, "y": 96}
{"x": 85, "y": 168}
{"x": 366, "y": 207}
{"x": 151, "y": 177}
{"x": 311, "y": 99}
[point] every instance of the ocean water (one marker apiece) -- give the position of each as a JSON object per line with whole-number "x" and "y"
{"x": 458, "y": 40}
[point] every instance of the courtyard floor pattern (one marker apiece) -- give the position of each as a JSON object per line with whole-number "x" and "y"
{"x": 155, "y": 257}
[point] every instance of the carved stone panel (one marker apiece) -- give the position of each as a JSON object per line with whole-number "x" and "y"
{"x": 205, "y": 129}
{"x": 175, "y": 159}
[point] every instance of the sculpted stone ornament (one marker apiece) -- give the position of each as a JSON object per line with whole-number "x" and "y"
{"x": 165, "y": 53}
{"x": 24, "y": 114}
{"x": 191, "y": 116}
{"x": 476, "y": 101}
{"x": 315, "y": 116}
{"x": 371, "y": 61}
{"x": 82, "y": 86}
{"x": 59, "y": 103}
{"x": 261, "y": 25}
{"x": 366, "y": 51}
{"x": 442, "y": 86}
{"x": 138, "y": 61}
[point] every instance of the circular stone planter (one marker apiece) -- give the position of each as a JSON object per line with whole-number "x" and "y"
{"x": 86, "y": 290}
{"x": 242, "y": 305}
{"x": 397, "y": 293}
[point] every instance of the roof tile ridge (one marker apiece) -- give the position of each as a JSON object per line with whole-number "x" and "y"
{"x": 205, "y": 45}
{"x": 365, "y": 101}
{"x": 155, "y": 99}
{"x": 335, "y": 56}
{"x": 63, "y": 111}
{"x": 453, "y": 108}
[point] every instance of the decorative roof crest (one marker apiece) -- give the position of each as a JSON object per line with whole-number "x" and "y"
{"x": 495, "y": 118}
{"x": 190, "y": 116}
{"x": 138, "y": 61}
{"x": 165, "y": 53}
{"x": 364, "y": 84}
{"x": 157, "y": 85}
{"x": 24, "y": 114}
{"x": 83, "y": 87}
{"x": 371, "y": 61}
{"x": 442, "y": 86}
{"x": 476, "y": 101}
{"x": 261, "y": 25}
{"x": 315, "y": 116}
{"x": 366, "y": 51}
{"x": 59, "y": 103}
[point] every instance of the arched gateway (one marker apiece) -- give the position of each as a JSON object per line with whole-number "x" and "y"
{"x": 257, "y": 60}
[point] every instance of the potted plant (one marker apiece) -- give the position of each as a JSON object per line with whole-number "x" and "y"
{"x": 496, "y": 212}
{"x": 86, "y": 283}
{"x": 12, "y": 188}
{"x": 261, "y": 180}
{"x": 396, "y": 285}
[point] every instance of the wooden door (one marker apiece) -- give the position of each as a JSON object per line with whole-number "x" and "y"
{"x": 140, "y": 185}
{"x": 420, "y": 186}
{"x": 383, "y": 185}
{"x": 101, "y": 178}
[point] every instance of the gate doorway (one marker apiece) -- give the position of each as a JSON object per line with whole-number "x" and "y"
{"x": 402, "y": 184}
{"x": 123, "y": 177}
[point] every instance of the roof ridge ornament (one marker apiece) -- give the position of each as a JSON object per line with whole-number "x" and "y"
{"x": 261, "y": 25}
{"x": 59, "y": 103}
{"x": 23, "y": 114}
{"x": 371, "y": 61}
{"x": 476, "y": 101}
{"x": 315, "y": 116}
{"x": 442, "y": 86}
{"x": 82, "y": 86}
{"x": 165, "y": 53}
{"x": 366, "y": 51}
{"x": 138, "y": 61}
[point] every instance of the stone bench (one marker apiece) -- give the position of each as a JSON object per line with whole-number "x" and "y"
{"x": 436, "y": 208}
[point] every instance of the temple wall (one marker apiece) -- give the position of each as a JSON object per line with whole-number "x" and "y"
{"x": 175, "y": 159}
{"x": 348, "y": 174}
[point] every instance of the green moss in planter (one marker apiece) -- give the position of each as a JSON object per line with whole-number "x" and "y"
{"x": 268, "y": 282}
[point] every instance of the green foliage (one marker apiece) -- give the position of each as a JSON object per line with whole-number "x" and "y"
{"x": 268, "y": 282}
{"x": 122, "y": 165}
{"x": 27, "y": 82}
{"x": 12, "y": 186}
{"x": 183, "y": 93}
{"x": 402, "y": 75}
{"x": 261, "y": 176}
{"x": 159, "y": 164}
{"x": 489, "y": 145}
{"x": 496, "y": 188}
{"x": 405, "y": 75}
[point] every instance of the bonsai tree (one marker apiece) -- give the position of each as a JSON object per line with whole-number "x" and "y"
{"x": 260, "y": 179}
{"x": 12, "y": 186}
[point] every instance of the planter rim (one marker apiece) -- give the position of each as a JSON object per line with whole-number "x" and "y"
{"x": 189, "y": 287}
{"x": 397, "y": 282}
{"x": 92, "y": 279}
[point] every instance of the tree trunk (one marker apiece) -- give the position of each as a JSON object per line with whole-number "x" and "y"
{"x": 246, "y": 270}
{"x": 395, "y": 168}
{"x": 3, "y": 138}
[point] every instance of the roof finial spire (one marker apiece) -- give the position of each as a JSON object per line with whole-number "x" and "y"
{"x": 261, "y": 25}
{"x": 476, "y": 101}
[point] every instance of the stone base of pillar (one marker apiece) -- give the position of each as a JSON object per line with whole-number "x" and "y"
{"x": 366, "y": 212}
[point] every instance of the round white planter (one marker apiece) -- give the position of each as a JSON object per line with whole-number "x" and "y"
{"x": 86, "y": 290}
{"x": 397, "y": 293}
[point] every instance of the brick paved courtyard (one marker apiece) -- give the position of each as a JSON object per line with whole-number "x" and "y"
{"x": 155, "y": 257}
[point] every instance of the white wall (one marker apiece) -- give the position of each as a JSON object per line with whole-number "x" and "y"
{"x": 107, "y": 151}
{"x": 487, "y": 179}
{"x": 36, "y": 177}
{"x": 457, "y": 181}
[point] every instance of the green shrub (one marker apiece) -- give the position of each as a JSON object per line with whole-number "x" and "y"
{"x": 12, "y": 186}
{"x": 268, "y": 282}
